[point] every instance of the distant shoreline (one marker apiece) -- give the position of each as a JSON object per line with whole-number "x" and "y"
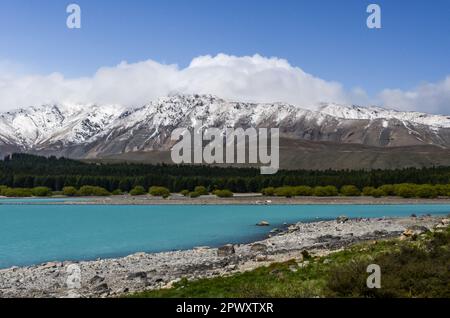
{"x": 238, "y": 199}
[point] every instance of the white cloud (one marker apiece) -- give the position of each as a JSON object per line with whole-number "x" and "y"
{"x": 427, "y": 97}
{"x": 250, "y": 78}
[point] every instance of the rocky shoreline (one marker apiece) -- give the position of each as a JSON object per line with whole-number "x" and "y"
{"x": 237, "y": 199}
{"x": 142, "y": 271}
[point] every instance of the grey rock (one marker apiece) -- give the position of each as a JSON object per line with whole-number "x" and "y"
{"x": 342, "y": 219}
{"x": 141, "y": 275}
{"x": 226, "y": 250}
{"x": 258, "y": 248}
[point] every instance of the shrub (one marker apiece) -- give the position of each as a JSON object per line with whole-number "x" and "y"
{"x": 407, "y": 271}
{"x": 405, "y": 190}
{"x": 426, "y": 191}
{"x": 270, "y": 191}
{"x": 93, "y": 191}
{"x": 367, "y": 191}
{"x": 388, "y": 189}
{"x": 137, "y": 190}
{"x": 442, "y": 189}
{"x": 350, "y": 191}
{"x": 194, "y": 194}
{"x": 327, "y": 191}
{"x": 185, "y": 192}
{"x": 41, "y": 192}
{"x": 303, "y": 191}
{"x": 377, "y": 193}
{"x": 223, "y": 193}
{"x": 3, "y": 189}
{"x": 18, "y": 192}
{"x": 284, "y": 192}
{"x": 159, "y": 191}
{"x": 69, "y": 191}
{"x": 201, "y": 190}
{"x": 117, "y": 192}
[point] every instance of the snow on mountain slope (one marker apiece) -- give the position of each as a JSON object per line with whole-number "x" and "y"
{"x": 113, "y": 128}
{"x": 373, "y": 112}
{"x": 49, "y": 123}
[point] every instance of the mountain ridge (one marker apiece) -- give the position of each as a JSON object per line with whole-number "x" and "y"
{"x": 92, "y": 131}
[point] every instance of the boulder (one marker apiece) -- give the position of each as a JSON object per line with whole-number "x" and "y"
{"x": 103, "y": 287}
{"x": 141, "y": 275}
{"x": 445, "y": 221}
{"x": 263, "y": 223}
{"x": 261, "y": 258}
{"x": 342, "y": 219}
{"x": 259, "y": 248}
{"x": 415, "y": 230}
{"x": 96, "y": 280}
{"x": 226, "y": 250}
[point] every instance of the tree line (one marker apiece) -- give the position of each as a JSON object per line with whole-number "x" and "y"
{"x": 30, "y": 171}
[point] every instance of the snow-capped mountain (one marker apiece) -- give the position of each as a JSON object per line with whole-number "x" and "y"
{"x": 373, "y": 112}
{"x": 113, "y": 131}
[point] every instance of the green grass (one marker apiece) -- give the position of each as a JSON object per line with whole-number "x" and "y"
{"x": 418, "y": 268}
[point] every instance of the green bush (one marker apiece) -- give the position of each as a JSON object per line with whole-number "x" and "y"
{"x": 303, "y": 191}
{"x": 350, "y": 191}
{"x": 223, "y": 193}
{"x": 194, "y": 194}
{"x": 426, "y": 191}
{"x": 327, "y": 191}
{"x": 367, "y": 191}
{"x": 377, "y": 193}
{"x": 201, "y": 190}
{"x": 137, "y": 190}
{"x": 442, "y": 189}
{"x": 269, "y": 191}
{"x": 405, "y": 190}
{"x": 18, "y": 192}
{"x": 284, "y": 192}
{"x": 388, "y": 189}
{"x": 69, "y": 191}
{"x": 408, "y": 271}
{"x": 185, "y": 192}
{"x": 3, "y": 188}
{"x": 159, "y": 191}
{"x": 41, "y": 192}
{"x": 117, "y": 192}
{"x": 92, "y": 191}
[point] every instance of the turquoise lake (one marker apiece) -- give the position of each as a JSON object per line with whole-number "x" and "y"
{"x": 32, "y": 234}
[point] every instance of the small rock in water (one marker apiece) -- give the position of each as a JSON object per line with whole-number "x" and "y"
{"x": 226, "y": 250}
{"x": 263, "y": 223}
{"x": 413, "y": 215}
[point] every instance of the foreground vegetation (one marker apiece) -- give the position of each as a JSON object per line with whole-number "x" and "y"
{"x": 417, "y": 268}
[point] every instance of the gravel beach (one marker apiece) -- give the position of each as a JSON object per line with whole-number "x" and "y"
{"x": 141, "y": 271}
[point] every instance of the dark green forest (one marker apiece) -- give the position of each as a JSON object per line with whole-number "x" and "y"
{"x": 28, "y": 171}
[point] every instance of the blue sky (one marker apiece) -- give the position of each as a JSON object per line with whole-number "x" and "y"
{"x": 328, "y": 39}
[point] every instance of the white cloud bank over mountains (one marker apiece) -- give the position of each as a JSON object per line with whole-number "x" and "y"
{"x": 248, "y": 78}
